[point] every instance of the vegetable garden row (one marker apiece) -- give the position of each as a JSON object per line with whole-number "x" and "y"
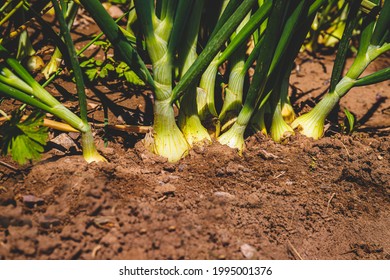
{"x": 188, "y": 45}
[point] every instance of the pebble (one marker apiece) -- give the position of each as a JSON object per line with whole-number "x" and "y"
{"x": 224, "y": 195}
{"x": 248, "y": 251}
{"x": 266, "y": 155}
{"x": 31, "y": 200}
{"x": 65, "y": 141}
{"x": 165, "y": 189}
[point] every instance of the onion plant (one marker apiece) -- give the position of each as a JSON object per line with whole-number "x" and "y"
{"x": 54, "y": 63}
{"x": 271, "y": 63}
{"x": 186, "y": 52}
{"x": 19, "y": 84}
{"x": 189, "y": 121}
{"x": 163, "y": 29}
{"x": 328, "y": 25}
{"x": 374, "y": 41}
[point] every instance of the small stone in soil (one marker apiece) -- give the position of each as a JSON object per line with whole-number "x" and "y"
{"x": 31, "y": 200}
{"x": 266, "y": 155}
{"x": 224, "y": 195}
{"x": 253, "y": 200}
{"x": 64, "y": 141}
{"x": 171, "y": 228}
{"x": 248, "y": 251}
{"x": 166, "y": 189}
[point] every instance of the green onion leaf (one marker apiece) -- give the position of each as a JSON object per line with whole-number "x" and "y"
{"x": 377, "y": 77}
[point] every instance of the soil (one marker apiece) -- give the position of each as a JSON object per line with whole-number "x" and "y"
{"x": 304, "y": 199}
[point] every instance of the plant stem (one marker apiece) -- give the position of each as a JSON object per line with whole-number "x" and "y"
{"x": 89, "y": 149}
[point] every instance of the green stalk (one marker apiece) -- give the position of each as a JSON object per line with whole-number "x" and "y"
{"x": 90, "y": 153}
{"x": 280, "y": 130}
{"x": 82, "y": 50}
{"x": 227, "y": 10}
{"x": 205, "y": 94}
{"x": 53, "y": 65}
{"x": 341, "y": 56}
{"x": 37, "y": 90}
{"x": 205, "y": 98}
{"x": 382, "y": 25}
{"x": 132, "y": 18}
{"x": 311, "y": 124}
{"x": 211, "y": 49}
{"x": 8, "y": 77}
{"x": 184, "y": 9}
{"x": 59, "y": 111}
{"x": 25, "y": 48}
{"x": 118, "y": 40}
{"x": 5, "y": 5}
{"x": 288, "y": 30}
{"x": 374, "y": 78}
{"x": 234, "y": 137}
{"x": 163, "y": 28}
{"x": 16, "y": 93}
{"x": 189, "y": 121}
{"x": 168, "y": 141}
{"x": 11, "y": 13}
{"x": 244, "y": 33}
{"x": 157, "y": 47}
{"x": 234, "y": 91}
{"x": 278, "y": 81}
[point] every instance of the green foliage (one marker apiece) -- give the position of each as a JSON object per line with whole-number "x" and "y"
{"x": 96, "y": 69}
{"x": 350, "y": 121}
{"x": 123, "y": 70}
{"x": 24, "y": 140}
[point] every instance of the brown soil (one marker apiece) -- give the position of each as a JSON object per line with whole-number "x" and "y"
{"x": 326, "y": 199}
